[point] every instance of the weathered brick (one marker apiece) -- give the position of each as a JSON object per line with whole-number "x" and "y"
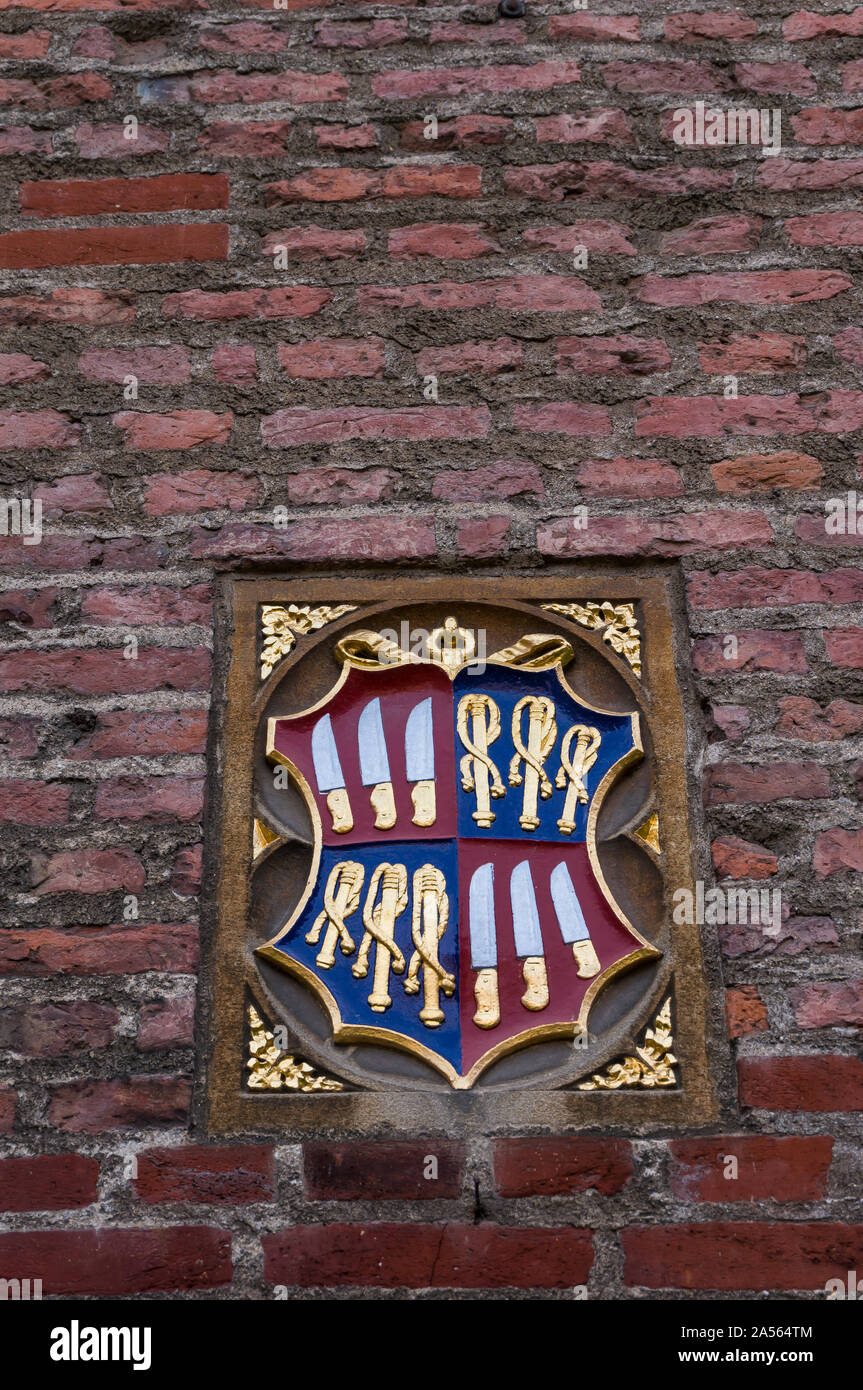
{"x": 166, "y": 1025}
{"x": 48, "y": 1182}
{"x": 218, "y": 1175}
{"x": 805, "y": 1083}
{"x": 171, "y": 948}
{"x": 779, "y": 1168}
{"x": 745, "y": 1011}
{"x": 736, "y": 783}
{"x": 380, "y": 1172}
{"x": 557, "y": 1167}
{"x": 121, "y": 1262}
{"x": 57, "y": 1029}
{"x": 828, "y": 1004}
{"x": 755, "y": 1255}
{"x": 137, "y": 1101}
{"x": 736, "y": 858}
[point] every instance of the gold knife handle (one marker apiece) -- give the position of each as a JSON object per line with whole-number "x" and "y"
{"x": 423, "y": 798}
{"x": 340, "y": 810}
{"x": 384, "y": 805}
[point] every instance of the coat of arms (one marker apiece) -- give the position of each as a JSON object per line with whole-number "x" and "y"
{"x": 455, "y": 908}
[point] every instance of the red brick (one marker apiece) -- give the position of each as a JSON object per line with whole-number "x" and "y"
{"x": 74, "y": 306}
{"x": 680, "y": 77}
{"x": 796, "y": 936}
{"x": 281, "y": 86}
{"x": 121, "y": 1262}
{"x": 754, "y": 587}
{"x": 51, "y": 1182}
{"x": 603, "y": 180}
{"x": 37, "y": 429}
{"x": 32, "y": 43}
{"x": 203, "y": 306}
{"x": 375, "y": 33}
{"x": 59, "y": 93}
{"x": 606, "y": 238}
{"x": 758, "y": 1256}
{"x": 745, "y": 1011}
{"x": 91, "y": 197}
{"x": 19, "y": 738}
{"x": 33, "y": 803}
{"x": 761, "y": 472}
{"x": 619, "y": 354}
{"x": 828, "y": 125}
{"x": 15, "y": 140}
{"x": 346, "y": 137}
{"x": 28, "y": 607}
{"x": 826, "y": 229}
{"x": 828, "y": 1004}
{"x": 166, "y": 1025}
{"x": 474, "y": 33}
{"x": 556, "y": 294}
{"x": 108, "y": 141}
{"x": 606, "y": 126}
{"x": 145, "y": 734}
{"x": 483, "y": 536}
{"x": 150, "y": 799}
{"x": 625, "y": 477}
{"x": 186, "y": 875}
{"x": 629, "y": 535}
{"x": 381, "y": 1172}
{"x": 336, "y": 185}
{"x": 137, "y": 1101}
{"x": 731, "y": 784}
{"x": 779, "y": 1168}
{"x": 788, "y": 175}
{"x": 81, "y": 492}
{"x": 506, "y": 478}
{"x": 453, "y": 82}
{"x": 57, "y": 1030}
{"x": 199, "y": 489}
{"x": 838, "y": 850}
{"x": 18, "y": 366}
{"x": 712, "y": 236}
{"x": 391, "y": 538}
{"x": 245, "y": 139}
{"x": 755, "y": 651}
{"x": 595, "y": 28}
{"x": 390, "y": 1255}
{"x": 821, "y": 1083}
{"x": 316, "y": 243}
{"x": 87, "y": 871}
{"x": 462, "y": 133}
{"x": 148, "y": 604}
{"x": 693, "y": 28}
{"x": 558, "y": 1167}
{"x": 849, "y": 345}
{"x": 852, "y": 77}
{"x": 8, "y": 1099}
{"x": 482, "y": 358}
{"x": 341, "y": 485}
{"x": 234, "y": 363}
{"x": 157, "y": 366}
{"x": 330, "y": 358}
{"x": 155, "y": 245}
{"x": 215, "y": 1174}
{"x": 182, "y": 429}
{"x": 845, "y": 647}
{"x": 807, "y": 24}
{"x": 742, "y": 287}
{"x": 736, "y": 858}
{"x": 800, "y": 717}
{"x": 562, "y": 417}
{"x": 775, "y": 78}
{"x": 679, "y": 417}
{"x": 90, "y": 671}
{"x": 118, "y": 950}
{"x": 289, "y": 429}
{"x": 761, "y": 352}
{"x": 462, "y": 241}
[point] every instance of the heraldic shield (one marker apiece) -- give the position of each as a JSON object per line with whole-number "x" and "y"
{"x": 456, "y": 908}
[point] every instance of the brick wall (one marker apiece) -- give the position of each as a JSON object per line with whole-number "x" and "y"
{"x": 240, "y": 309}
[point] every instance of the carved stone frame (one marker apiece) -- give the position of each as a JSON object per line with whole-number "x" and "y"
{"x": 224, "y": 1106}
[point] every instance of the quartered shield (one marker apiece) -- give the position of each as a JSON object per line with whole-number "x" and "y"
{"x": 456, "y": 908}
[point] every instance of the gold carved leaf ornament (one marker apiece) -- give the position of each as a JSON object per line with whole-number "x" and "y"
{"x": 281, "y": 626}
{"x": 617, "y": 622}
{"x": 652, "y": 1065}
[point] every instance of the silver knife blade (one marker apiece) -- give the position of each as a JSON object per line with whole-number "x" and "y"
{"x": 374, "y": 763}
{"x": 419, "y": 743}
{"x": 325, "y": 755}
{"x": 525, "y": 916}
{"x": 483, "y": 938}
{"x": 569, "y": 914}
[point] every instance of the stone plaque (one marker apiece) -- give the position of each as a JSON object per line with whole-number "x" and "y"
{"x": 453, "y": 816}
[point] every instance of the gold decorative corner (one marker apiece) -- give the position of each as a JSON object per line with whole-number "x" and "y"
{"x": 281, "y": 626}
{"x": 652, "y": 1066}
{"x": 618, "y": 621}
{"x": 648, "y": 831}
{"x": 262, "y": 836}
{"x": 271, "y": 1069}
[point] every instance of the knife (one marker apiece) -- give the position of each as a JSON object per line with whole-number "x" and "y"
{"x": 573, "y": 927}
{"x": 375, "y": 765}
{"x": 419, "y": 762}
{"x": 329, "y": 775}
{"x": 483, "y": 946}
{"x": 528, "y": 937}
